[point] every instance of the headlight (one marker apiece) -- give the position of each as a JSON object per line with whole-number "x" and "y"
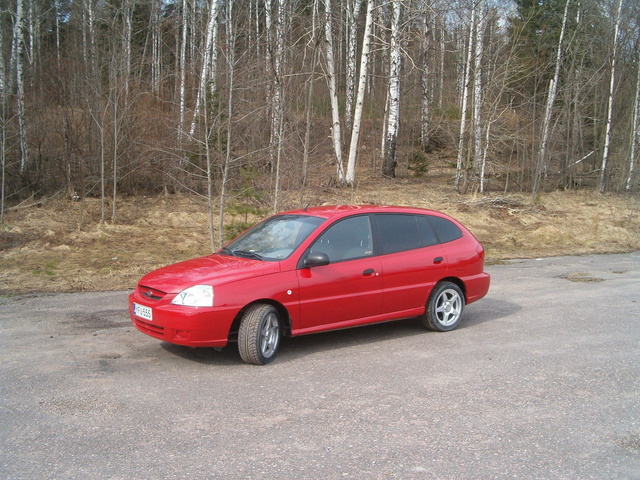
{"x": 198, "y": 296}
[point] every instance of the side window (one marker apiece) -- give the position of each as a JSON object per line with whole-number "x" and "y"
{"x": 445, "y": 230}
{"x": 398, "y": 232}
{"x": 426, "y": 232}
{"x": 346, "y": 240}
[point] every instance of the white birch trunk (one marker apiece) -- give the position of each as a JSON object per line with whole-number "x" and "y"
{"x": 18, "y": 69}
{"x": 56, "y": 13}
{"x": 156, "y": 45}
{"x": 441, "y": 76}
{"x": 393, "y": 118}
{"x": 635, "y": 131}
{"x": 3, "y": 130}
{"x": 478, "y": 156}
{"x": 85, "y": 41}
{"x": 88, "y": 39}
{"x": 313, "y": 41}
{"x": 353, "y": 12}
{"x": 465, "y": 96}
{"x": 231, "y": 45}
{"x": 424, "y": 81}
{"x": 206, "y": 75}
{"x": 364, "y": 67}
{"x": 607, "y": 136}
{"x": 460, "y": 65}
{"x": 277, "y": 111}
{"x": 541, "y": 164}
{"x": 3, "y": 79}
{"x": 336, "y": 134}
{"x": 33, "y": 27}
{"x": 182, "y": 75}
{"x": 128, "y": 20}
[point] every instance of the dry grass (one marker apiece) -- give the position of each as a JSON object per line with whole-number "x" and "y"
{"x": 61, "y": 247}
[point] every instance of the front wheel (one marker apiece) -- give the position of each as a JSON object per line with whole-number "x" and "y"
{"x": 444, "y": 307}
{"x": 259, "y": 334}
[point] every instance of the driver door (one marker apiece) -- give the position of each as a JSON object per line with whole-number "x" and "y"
{"x": 347, "y": 291}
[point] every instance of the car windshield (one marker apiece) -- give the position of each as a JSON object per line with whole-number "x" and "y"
{"x": 274, "y": 239}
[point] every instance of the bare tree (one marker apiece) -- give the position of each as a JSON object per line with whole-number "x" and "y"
{"x": 364, "y": 67}
{"x": 156, "y": 45}
{"x": 231, "y": 60}
{"x": 208, "y": 71}
{"x": 353, "y": 12}
{"x": 425, "y": 79}
{"x": 551, "y": 97}
{"x": 336, "y": 135}
{"x": 635, "y": 130}
{"x": 182, "y": 67}
{"x": 478, "y": 156}
{"x": 3, "y": 128}
{"x": 17, "y": 68}
{"x": 277, "y": 98}
{"x": 465, "y": 96}
{"x": 607, "y": 136}
{"x": 393, "y": 117}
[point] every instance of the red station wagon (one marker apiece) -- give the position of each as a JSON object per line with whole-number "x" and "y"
{"x": 314, "y": 270}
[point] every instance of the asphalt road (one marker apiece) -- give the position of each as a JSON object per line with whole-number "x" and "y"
{"x": 542, "y": 380}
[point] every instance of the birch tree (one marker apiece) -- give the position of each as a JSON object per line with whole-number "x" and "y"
{"x": 541, "y": 164}
{"x": 635, "y": 129}
{"x": 3, "y": 127}
{"x": 315, "y": 44}
{"x": 336, "y": 135}
{"x": 208, "y": 71}
{"x": 607, "y": 136}
{"x": 478, "y": 156}
{"x": 353, "y": 12}
{"x": 156, "y": 45}
{"x": 364, "y": 67}
{"x": 277, "y": 95}
{"x": 231, "y": 60}
{"x": 89, "y": 38}
{"x": 465, "y": 96}
{"x": 425, "y": 79}
{"x": 17, "y": 67}
{"x": 393, "y": 116}
{"x": 182, "y": 60}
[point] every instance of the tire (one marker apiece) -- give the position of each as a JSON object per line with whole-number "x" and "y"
{"x": 444, "y": 307}
{"x": 259, "y": 334}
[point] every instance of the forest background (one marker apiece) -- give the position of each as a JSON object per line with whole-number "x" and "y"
{"x": 132, "y": 116}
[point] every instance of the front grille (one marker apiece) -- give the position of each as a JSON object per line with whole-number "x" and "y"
{"x": 151, "y": 293}
{"x": 154, "y": 330}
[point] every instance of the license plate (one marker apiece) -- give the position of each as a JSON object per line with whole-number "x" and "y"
{"x": 143, "y": 312}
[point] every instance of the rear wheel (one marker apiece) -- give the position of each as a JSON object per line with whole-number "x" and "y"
{"x": 259, "y": 334}
{"x": 444, "y": 307}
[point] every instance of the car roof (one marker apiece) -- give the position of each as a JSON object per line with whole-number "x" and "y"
{"x": 337, "y": 211}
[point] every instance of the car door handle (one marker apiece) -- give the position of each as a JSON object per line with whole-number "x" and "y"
{"x": 369, "y": 272}
{"x": 438, "y": 260}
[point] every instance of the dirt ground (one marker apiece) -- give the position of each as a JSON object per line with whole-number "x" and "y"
{"x": 59, "y": 245}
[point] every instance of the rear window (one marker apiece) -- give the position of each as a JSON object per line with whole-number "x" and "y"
{"x": 446, "y": 230}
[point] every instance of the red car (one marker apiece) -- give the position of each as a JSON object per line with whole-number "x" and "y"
{"x": 313, "y": 270}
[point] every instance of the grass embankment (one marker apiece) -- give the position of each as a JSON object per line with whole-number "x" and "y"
{"x": 60, "y": 246}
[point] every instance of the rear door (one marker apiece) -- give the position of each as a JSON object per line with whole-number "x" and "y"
{"x": 412, "y": 260}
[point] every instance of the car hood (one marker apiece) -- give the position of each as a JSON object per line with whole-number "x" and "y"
{"x": 210, "y": 270}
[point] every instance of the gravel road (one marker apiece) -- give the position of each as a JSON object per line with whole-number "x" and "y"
{"x": 541, "y": 380}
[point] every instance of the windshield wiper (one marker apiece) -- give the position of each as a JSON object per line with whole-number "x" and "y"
{"x": 246, "y": 254}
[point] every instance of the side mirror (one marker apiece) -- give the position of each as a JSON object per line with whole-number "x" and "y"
{"x": 316, "y": 259}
